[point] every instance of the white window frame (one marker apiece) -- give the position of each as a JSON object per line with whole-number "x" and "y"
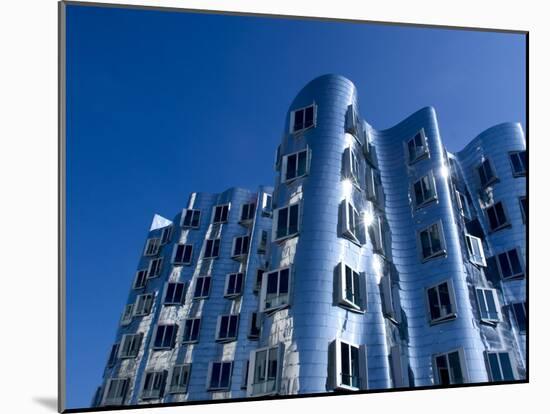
{"x": 134, "y": 348}
{"x": 236, "y": 276}
{"x": 431, "y": 183}
{"x": 143, "y": 304}
{"x": 248, "y": 218}
{"x": 471, "y": 243}
{"x": 152, "y": 247}
{"x": 452, "y": 299}
{"x": 219, "y": 387}
{"x": 513, "y": 275}
{"x": 157, "y": 385}
{"x": 418, "y": 156}
{"x": 440, "y": 253}
{"x": 281, "y": 304}
{"x": 211, "y": 256}
{"x": 122, "y": 385}
{"x": 181, "y": 374}
{"x": 173, "y": 338}
{"x": 173, "y": 302}
{"x": 463, "y": 206}
{"x": 293, "y": 116}
{"x": 242, "y": 252}
{"x": 226, "y": 337}
{"x": 351, "y": 223}
{"x": 461, "y": 359}
{"x": 141, "y": 273}
{"x": 193, "y": 212}
{"x": 269, "y": 385}
{"x": 483, "y": 306}
{"x": 228, "y": 205}
{"x": 490, "y": 370}
{"x": 159, "y": 268}
{"x": 267, "y": 204}
{"x": 127, "y": 314}
{"x": 276, "y": 213}
{"x": 284, "y": 172}
{"x": 193, "y": 322}
{"x": 335, "y": 365}
{"x": 166, "y": 234}
{"x": 185, "y": 247}
{"x": 359, "y": 290}
{"x": 203, "y": 295}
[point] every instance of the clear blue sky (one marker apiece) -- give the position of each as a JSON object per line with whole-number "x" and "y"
{"x": 160, "y": 104}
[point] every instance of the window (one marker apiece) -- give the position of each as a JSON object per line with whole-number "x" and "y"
{"x": 262, "y": 245}
{"x": 351, "y": 224}
{"x": 227, "y": 328}
{"x": 212, "y": 249}
{"x": 351, "y": 166}
{"x": 524, "y": 208}
{"x": 166, "y": 234}
{"x": 254, "y": 328}
{"x": 240, "y": 246}
{"x": 475, "y": 250}
{"x": 244, "y": 381}
{"x": 180, "y": 378}
{"x": 153, "y": 385}
{"x": 247, "y": 212}
{"x": 175, "y": 292}
{"x": 519, "y": 163}
{"x": 487, "y": 302}
{"x": 398, "y": 367}
{"x": 191, "y": 330}
{"x": 500, "y": 367}
{"x": 390, "y": 299}
{"x": 497, "y": 216}
{"x": 348, "y": 365}
{"x": 113, "y": 356}
{"x": 126, "y": 318}
{"x": 350, "y": 286}
{"x": 183, "y": 254}
{"x": 155, "y": 267}
{"x": 259, "y": 277}
{"x": 449, "y": 368}
{"x": 520, "y": 314}
{"x": 152, "y": 247}
{"x": 266, "y": 204}
{"x": 286, "y": 221}
{"x": 486, "y": 173}
{"x": 220, "y": 375}
{"x": 234, "y": 284}
{"x": 165, "y": 336}
{"x": 220, "y": 214}
{"x": 431, "y": 241}
{"x": 376, "y": 232}
{"x": 116, "y": 391}
{"x": 141, "y": 279}
{"x": 351, "y": 121}
{"x": 441, "y": 302}
{"x": 202, "y": 287}
{"x": 509, "y": 265}
{"x": 424, "y": 190}
{"x": 374, "y": 185}
{"x": 275, "y": 290}
{"x": 295, "y": 165}
{"x": 143, "y": 305}
{"x": 129, "y": 345}
{"x": 266, "y": 366}
{"x": 417, "y": 146}
{"x": 191, "y": 219}
{"x": 303, "y": 118}
{"x": 463, "y": 205}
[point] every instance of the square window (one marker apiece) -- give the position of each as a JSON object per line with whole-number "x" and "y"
{"x": 295, "y": 165}
{"x": 286, "y": 220}
{"x": 441, "y": 302}
{"x": 348, "y": 365}
{"x": 449, "y": 368}
{"x": 431, "y": 242}
{"x": 240, "y": 246}
{"x": 488, "y": 305}
{"x": 233, "y": 285}
{"x": 221, "y": 213}
{"x": 510, "y": 265}
{"x": 497, "y": 216}
{"x": 129, "y": 345}
{"x": 352, "y": 225}
{"x": 183, "y": 254}
{"x": 202, "y": 287}
{"x": 179, "y": 380}
{"x": 153, "y": 385}
{"x": 486, "y": 173}
{"x": 155, "y": 268}
{"x": 265, "y": 365}
{"x": 247, "y": 212}
{"x": 175, "y": 292}
{"x": 520, "y": 315}
{"x": 351, "y": 286}
{"x": 519, "y": 163}
{"x": 166, "y": 234}
{"x": 127, "y": 315}
{"x": 141, "y": 279}
{"x": 152, "y": 247}
{"x": 116, "y": 391}
{"x": 165, "y": 337}
{"x": 255, "y": 326}
{"x": 275, "y": 290}
{"x": 143, "y": 305}
{"x": 227, "y": 328}
{"x": 220, "y": 376}
{"x": 212, "y": 249}
{"x": 424, "y": 190}
{"x": 303, "y": 118}
{"x": 191, "y": 219}
{"x": 191, "y": 330}
{"x": 417, "y": 147}
{"x": 475, "y": 250}
{"x": 500, "y": 366}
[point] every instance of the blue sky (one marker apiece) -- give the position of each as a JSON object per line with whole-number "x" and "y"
{"x": 161, "y": 104}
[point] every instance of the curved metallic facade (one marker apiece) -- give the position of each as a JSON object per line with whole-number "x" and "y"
{"x": 359, "y": 313}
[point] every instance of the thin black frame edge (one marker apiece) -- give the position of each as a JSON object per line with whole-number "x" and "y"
{"x": 62, "y": 192}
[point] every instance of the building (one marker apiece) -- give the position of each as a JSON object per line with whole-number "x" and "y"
{"x": 378, "y": 260}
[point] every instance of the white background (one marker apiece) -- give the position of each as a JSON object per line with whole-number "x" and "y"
{"x": 28, "y": 203}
